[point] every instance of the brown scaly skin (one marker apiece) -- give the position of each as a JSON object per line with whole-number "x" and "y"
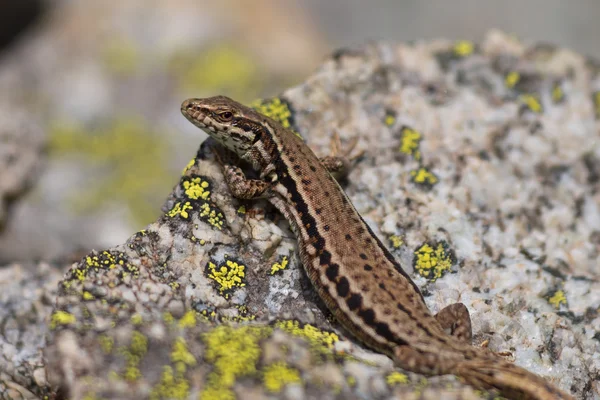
{"x": 353, "y": 272}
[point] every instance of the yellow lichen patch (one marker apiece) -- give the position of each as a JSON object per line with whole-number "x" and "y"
{"x": 532, "y": 103}
{"x": 395, "y": 378}
{"x": 97, "y": 262}
{"x": 241, "y": 210}
{"x": 136, "y": 319}
{"x": 410, "y": 142}
{"x": 61, "y": 318}
{"x": 219, "y": 69}
{"x": 181, "y": 210}
{"x": 596, "y": 100}
{"x": 133, "y": 355}
{"x": 558, "y": 94}
{"x": 275, "y": 109}
{"x": 132, "y": 157}
{"x": 351, "y": 380}
{"x": 433, "y": 260}
{"x": 390, "y": 118}
{"x": 168, "y": 318}
{"x": 233, "y": 353}
{"x": 106, "y": 343}
{"x": 189, "y": 166}
{"x": 196, "y": 188}
{"x": 212, "y": 215}
{"x": 397, "y": 241}
{"x": 463, "y": 48}
{"x": 422, "y": 176}
{"x": 121, "y": 56}
{"x": 279, "y": 266}
{"x": 511, "y": 79}
{"x": 228, "y": 276}
{"x": 181, "y": 357}
{"x": 188, "y": 320}
{"x": 315, "y": 336}
{"x": 557, "y": 299}
{"x": 87, "y": 296}
{"x": 277, "y": 375}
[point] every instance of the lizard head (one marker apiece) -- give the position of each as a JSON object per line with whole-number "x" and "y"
{"x": 232, "y": 124}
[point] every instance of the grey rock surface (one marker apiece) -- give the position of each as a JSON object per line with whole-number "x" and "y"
{"x": 481, "y": 173}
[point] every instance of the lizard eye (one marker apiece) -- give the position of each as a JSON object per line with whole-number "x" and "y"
{"x": 226, "y": 116}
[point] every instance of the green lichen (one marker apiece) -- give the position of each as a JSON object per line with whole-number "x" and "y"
{"x": 433, "y": 260}
{"x": 278, "y": 375}
{"x": 180, "y": 209}
{"x": 233, "y": 353}
{"x": 557, "y": 93}
{"x": 132, "y": 158}
{"x": 228, "y": 276}
{"x": 390, "y": 118}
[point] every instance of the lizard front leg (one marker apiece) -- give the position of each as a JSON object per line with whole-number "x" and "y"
{"x": 456, "y": 321}
{"x": 339, "y": 162}
{"x": 244, "y": 188}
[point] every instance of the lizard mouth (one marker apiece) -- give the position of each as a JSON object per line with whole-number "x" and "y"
{"x": 195, "y": 116}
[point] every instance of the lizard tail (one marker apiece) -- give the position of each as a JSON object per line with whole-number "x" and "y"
{"x": 512, "y": 381}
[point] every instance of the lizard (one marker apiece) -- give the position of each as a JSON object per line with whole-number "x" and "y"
{"x": 354, "y": 274}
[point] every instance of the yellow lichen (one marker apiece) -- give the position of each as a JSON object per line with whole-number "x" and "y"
{"x": 596, "y": 100}
{"x": 395, "y": 378}
{"x": 558, "y": 299}
{"x": 463, "y": 48}
{"x": 181, "y": 210}
{"x": 233, "y": 353}
{"x": 171, "y": 386}
{"x": 423, "y": 176}
{"x": 279, "y": 266}
{"x": 133, "y": 355}
{"x": 196, "y": 188}
{"x": 87, "y": 296}
{"x": 410, "y": 142}
{"x": 61, "y": 318}
{"x": 132, "y": 157}
{"x": 106, "y": 343}
{"x": 432, "y": 261}
{"x": 278, "y": 375}
{"x": 136, "y": 319}
{"x": 511, "y": 79}
{"x": 314, "y": 335}
{"x": 397, "y": 241}
{"x": 220, "y": 69}
{"x": 228, "y": 276}
{"x": 214, "y": 217}
{"x": 390, "y": 118}
{"x": 121, "y": 56}
{"x": 189, "y": 166}
{"x": 532, "y": 102}
{"x": 188, "y": 320}
{"x": 558, "y": 93}
{"x": 275, "y": 109}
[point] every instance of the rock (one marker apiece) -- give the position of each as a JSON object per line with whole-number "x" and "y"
{"x": 480, "y": 174}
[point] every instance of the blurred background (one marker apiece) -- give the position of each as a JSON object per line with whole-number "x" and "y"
{"x": 91, "y": 137}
